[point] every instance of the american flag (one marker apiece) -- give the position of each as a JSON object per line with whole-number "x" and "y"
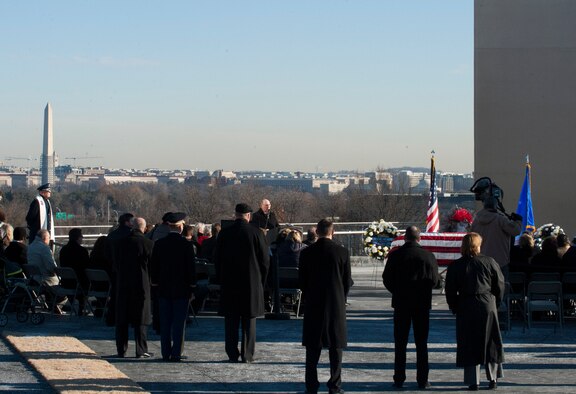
{"x": 445, "y": 246}
{"x": 432, "y": 216}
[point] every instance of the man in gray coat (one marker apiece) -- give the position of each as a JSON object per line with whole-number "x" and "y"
{"x": 325, "y": 278}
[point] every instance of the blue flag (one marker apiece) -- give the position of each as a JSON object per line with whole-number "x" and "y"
{"x": 525, "y": 203}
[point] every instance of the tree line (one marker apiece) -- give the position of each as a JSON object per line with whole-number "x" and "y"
{"x": 101, "y": 205}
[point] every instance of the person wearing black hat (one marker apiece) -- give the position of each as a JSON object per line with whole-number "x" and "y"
{"x": 160, "y": 230}
{"x": 39, "y": 215}
{"x": 242, "y": 259}
{"x": 173, "y": 277}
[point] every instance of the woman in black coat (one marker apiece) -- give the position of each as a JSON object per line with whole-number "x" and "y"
{"x": 474, "y": 289}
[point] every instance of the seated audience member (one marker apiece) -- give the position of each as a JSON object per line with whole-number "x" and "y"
{"x": 40, "y": 255}
{"x": 289, "y": 257}
{"x": 569, "y": 257}
{"x": 203, "y": 233}
{"x": 188, "y": 232}
{"x": 75, "y": 256}
{"x": 289, "y": 250}
{"x": 549, "y": 254}
{"x": 5, "y": 232}
{"x": 209, "y": 245}
{"x": 521, "y": 254}
{"x": 17, "y": 249}
{"x": 311, "y": 236}
{"x": 563, "y": 244}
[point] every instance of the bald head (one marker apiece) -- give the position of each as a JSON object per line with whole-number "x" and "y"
{"x": 412, "y": 234}
{"x": 139, "y": 224}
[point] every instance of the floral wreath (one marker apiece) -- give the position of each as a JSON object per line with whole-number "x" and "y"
{"x": 546, "y": 231}
{"x": 378, "y": 238}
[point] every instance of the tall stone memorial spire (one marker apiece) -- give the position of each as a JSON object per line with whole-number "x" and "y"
{"x": 47, "y": 160}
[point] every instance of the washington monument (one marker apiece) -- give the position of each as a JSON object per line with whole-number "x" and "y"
{"x": 47, "y": 159}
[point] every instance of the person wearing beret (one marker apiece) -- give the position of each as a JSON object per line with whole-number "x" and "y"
{"x": 173, "y": 275}
{"x": 242, "y": 259}
{"x": 39, "y": 215}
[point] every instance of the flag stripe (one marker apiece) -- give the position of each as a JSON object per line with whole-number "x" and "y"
{"x": 445, "y": 246}
{"x": 432, "y": 215}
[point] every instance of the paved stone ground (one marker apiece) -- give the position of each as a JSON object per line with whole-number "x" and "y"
{"x": 540, "y": 361}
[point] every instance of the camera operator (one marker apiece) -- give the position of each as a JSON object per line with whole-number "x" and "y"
{"x": 496, "y": 228}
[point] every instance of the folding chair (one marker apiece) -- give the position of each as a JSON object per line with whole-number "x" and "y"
{"x": 213, "y": 287}
{"x": 288, "y": 278}
{"x": 68, "y": 287}
{"x": 569, "y": 293}
{"x": 545, "y": 277}
{"x": 99, "y": 287}
{"x": 504, "y": 307}
{"x": 34, "y": 286}
{"x": 517, "y": 296}
{"x": 545, "y": 296}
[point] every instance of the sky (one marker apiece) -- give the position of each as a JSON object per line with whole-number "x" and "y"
{"x": 297, "y": 85}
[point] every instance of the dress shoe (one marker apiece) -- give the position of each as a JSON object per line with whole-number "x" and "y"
{"x": 473, "y": 387}
{"x": 339, "y": 391}
{"x": 145, "y": 355}
{"x": 492, "y": 385}
{"x": 424, "y": 386}
{"x": 398, "y": 385}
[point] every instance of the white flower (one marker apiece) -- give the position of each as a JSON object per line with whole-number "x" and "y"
{"x": 368, "y": 240}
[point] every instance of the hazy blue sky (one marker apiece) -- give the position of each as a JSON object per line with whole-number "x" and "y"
{"x": 294, "y": 85}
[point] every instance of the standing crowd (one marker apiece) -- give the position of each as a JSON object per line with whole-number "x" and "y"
{"x": 154, "y": 282}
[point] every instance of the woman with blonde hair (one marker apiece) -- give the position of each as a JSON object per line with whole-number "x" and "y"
{"x": 474, "y": 289}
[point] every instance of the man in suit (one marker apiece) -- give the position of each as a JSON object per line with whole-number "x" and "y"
{"x": 133, "y": 289}
{"x": 325, "y": 278}
{"x": 242, "y": 259}
{"x": 410, "y": 274}
{"x": 39, "y": 216}
{"x": 174, "y": 277}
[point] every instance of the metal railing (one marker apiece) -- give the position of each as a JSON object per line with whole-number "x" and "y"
{"x": 349, "y": 234}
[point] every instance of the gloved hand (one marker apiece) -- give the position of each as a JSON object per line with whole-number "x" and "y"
{"x": 514, "y": 216}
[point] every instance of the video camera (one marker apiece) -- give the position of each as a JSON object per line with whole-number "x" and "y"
{"x": 489, "y": 193}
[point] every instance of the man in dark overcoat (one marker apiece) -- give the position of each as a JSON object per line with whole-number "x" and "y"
{"x": 325, "y": 278}
{"x": 111, "y": 251}
{"x": 133, "y": 289}
{"x": 173, "y": 276}
{"x": 243, "y": 260}
{"x": 410, "y": 274}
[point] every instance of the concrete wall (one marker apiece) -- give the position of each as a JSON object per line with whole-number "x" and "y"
{"x": 525, "y": 102}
